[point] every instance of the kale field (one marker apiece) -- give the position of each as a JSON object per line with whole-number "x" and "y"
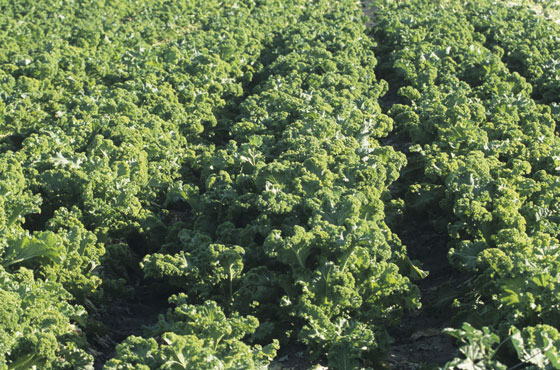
{"x": 279, "y": 184}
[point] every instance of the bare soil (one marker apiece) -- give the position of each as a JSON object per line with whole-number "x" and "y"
{"x": 124, "y": 317}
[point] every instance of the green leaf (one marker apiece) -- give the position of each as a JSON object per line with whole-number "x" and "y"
{"x": 42, "y": 244}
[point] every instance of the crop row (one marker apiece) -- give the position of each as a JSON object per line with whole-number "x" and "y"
{"x": 285, "y": 219}
{"x": 101, "y": 104}
{"x": 227, "y": 151}
{"x": 227, "y": 154}
{"x": 484, "y": 162}
{"x": 530, "y": 42}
